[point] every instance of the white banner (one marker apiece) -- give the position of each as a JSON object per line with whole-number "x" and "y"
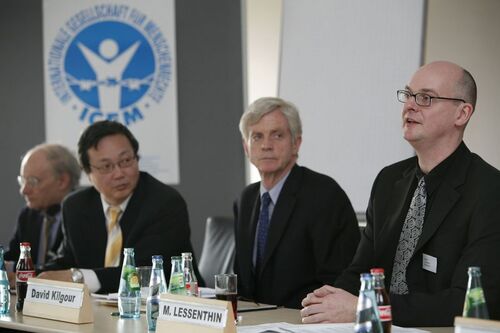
{"x": 113, "y": 60}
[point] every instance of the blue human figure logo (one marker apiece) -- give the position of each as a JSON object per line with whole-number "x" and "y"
{"x": 108, "y": 67}
{"x": 112, "y": 71}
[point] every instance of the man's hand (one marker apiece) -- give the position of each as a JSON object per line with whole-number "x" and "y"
{"x": 329, "y": 305}
{"x": 64, "y": 275}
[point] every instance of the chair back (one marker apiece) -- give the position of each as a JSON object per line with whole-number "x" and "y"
{"x": 217, "y": 254}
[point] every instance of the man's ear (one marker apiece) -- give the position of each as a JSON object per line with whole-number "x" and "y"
{"x": 296, "y": 144}
{"x": 245, "y": 146}
{"x": 464, "y": 113}
{"x": 64, "y": 181}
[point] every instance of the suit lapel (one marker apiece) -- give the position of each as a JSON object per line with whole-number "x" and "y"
{"x": 252, "y": 227}
{"x": 131, "y": 213}
{"x": 93, "y": 229}
{"x": 391, "y": 230}
{"x": 282, "y": 211}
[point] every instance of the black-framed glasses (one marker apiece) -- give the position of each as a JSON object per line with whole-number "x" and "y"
{"x": 30, "y": 181}
{"x": 108, "y": 167}
{"x": 422, "y": 99}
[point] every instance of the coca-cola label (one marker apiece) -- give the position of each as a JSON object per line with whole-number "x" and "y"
{"x": 385, "y": 312}
{"x": 23, "y": 276}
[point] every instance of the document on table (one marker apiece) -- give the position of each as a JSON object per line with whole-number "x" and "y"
{"x": 316, "y": 328}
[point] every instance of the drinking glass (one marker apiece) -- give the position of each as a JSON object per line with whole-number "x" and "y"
{"x": 144, "y": 273}
{"x": 226, "y": 289}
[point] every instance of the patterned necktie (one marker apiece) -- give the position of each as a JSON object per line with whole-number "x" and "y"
{"x": 114, "y": 246}
{"x": 263, "y": 228}
{"x": 412, "y": 228}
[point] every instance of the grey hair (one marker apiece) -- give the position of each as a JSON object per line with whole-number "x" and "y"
{"x": 62, "y": 161}
{"x": 265, "y": 105}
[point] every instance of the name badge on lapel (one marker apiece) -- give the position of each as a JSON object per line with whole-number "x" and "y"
{"x": 429, "y": 263}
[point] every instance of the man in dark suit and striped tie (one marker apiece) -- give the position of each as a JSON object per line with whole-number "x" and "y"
{"x": 124, "y": 208}
{"x": 48, "y": 173}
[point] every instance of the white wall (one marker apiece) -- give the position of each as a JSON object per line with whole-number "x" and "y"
{"x": 371, "y": 48}
{"x": 261, "y": 36}
{"x": 342, "y": 62}
{"x": 468, "y": 33}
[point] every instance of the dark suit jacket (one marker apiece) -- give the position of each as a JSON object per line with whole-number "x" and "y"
{"x": 313, "y": 236}
{"x": 154, "y": 222}
{"x": 28, "y": 229}
{"x": 461, "y": 229}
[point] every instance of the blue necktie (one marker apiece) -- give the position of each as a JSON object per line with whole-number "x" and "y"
{"x": 263, "y": 228}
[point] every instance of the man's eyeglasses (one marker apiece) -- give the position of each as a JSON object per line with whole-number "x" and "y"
{"x": 28, "y": 181}
{"x": 421, "y": 98}
{"x": 108, "y": 167}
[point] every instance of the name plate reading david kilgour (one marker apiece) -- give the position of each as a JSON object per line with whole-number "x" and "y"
{"x": 54, "y": 295}
{"x": 193, "y": 313}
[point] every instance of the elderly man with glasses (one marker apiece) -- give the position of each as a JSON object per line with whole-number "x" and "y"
{"x": 429, "y": 217}
{"x": 48, "y": 173}
{"x": 125, "y": 208}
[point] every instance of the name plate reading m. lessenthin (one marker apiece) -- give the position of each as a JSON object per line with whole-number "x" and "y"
{"x": 193, "y": 313}
{"x": 54, "y": 295}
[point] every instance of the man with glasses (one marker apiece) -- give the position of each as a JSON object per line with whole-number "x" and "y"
{"x": 429, "y": 217}
{"x": 48, "y": 173}
{"x": 125, "y": 208}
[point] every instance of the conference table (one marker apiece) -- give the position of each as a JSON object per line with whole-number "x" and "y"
{"x": 105, "y": 322}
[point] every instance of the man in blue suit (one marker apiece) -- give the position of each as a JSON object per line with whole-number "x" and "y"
{"x": 295, "y": 229}
{"x": 429, "y": 217}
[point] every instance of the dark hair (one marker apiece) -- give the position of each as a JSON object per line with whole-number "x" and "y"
{"x": 93, "y": 134}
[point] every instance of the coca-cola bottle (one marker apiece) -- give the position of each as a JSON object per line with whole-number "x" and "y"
{"x": 24, "y": 270}
{"x": 382, "y": 298}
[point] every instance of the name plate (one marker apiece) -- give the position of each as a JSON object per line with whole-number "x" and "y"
{"x": 56, "y": 295}
{"x": 178, "y": 313}
{"x": 58, "y": 300}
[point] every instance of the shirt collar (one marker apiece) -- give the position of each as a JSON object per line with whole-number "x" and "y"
{"x": 122, "y": 206}
{"x": 275, "y": 191}
{"x": 437, "y": 174}
{"x": 53, "y": 210}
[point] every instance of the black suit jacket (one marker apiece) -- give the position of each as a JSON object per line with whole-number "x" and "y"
{"x": 154, "y": 222}
{"x": 313, "y": 236}
{"x": 28, "y": 229}
{"x": 461, "y": 229}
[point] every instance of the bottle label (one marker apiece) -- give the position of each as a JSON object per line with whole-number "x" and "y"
{"x": 133, "y": 281}
{"x": 385, "y": 312}
{"x": 23, "y": 276}
{"x": 176, "y": 285}
{"x": 475, "y": 296}
{"x": 475, "y": 304}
